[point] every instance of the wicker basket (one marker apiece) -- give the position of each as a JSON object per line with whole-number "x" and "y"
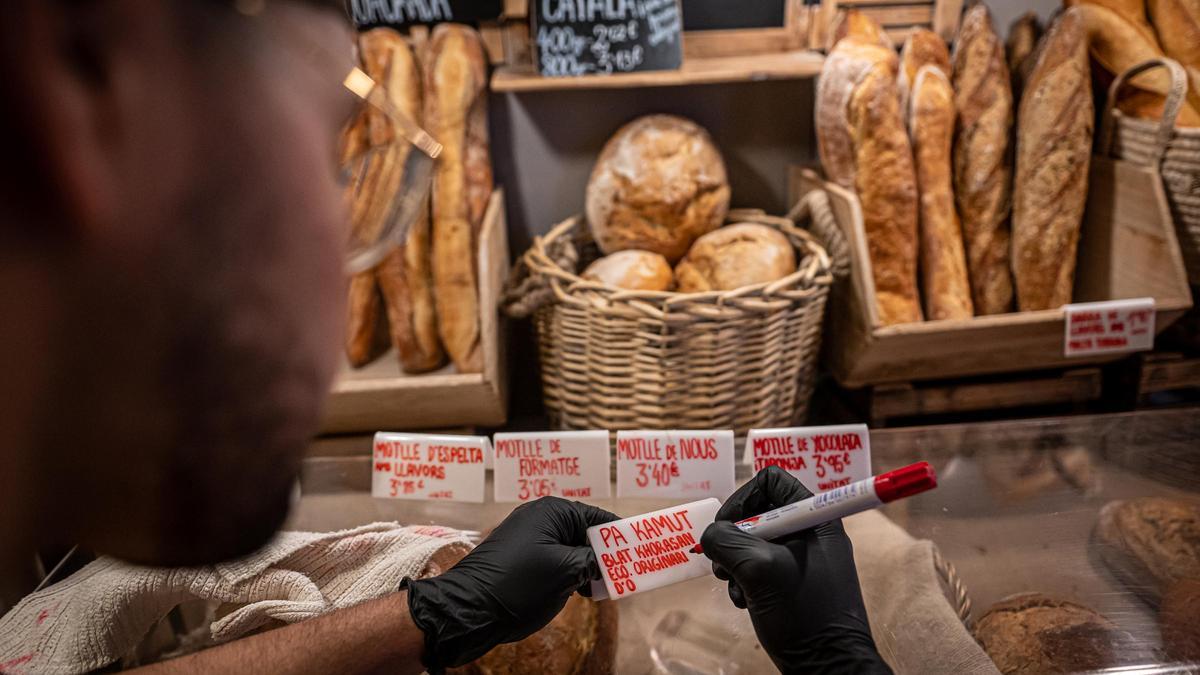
{"x": 616, "y": 359}
{"x": 1175, "y": 152}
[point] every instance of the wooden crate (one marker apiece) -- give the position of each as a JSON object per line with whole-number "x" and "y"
{"x": 1127, "y": 250}
{"x": 1165, "y": 372}
{"x": 381, "y": 397}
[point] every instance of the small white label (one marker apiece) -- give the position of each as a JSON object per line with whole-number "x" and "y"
{"x": 675, "y": 464}
{"x": 823, "y": 458}
{"x": 420, "y": 466}
{"x": 1108, "y": 327}
{"x": 652, "y": 550}
{"x": 568, "y": 464}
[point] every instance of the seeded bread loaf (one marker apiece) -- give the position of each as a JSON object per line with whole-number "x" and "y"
{"x": 1150, "y": 543}
{"x": 1032, "y": 633}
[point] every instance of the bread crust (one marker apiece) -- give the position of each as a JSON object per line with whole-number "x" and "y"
{"x": 855, "y": 25}
{"x": 659, "y": 183}
{"x": 1177, "y": 24}
{"x": 455, "y": 114}
{"x": 1150, "y": 543}
{"x": 1177, "y": 620}
{"x": 844, "y": 69}
{"x": 632, "y": 270}
{"x": 943, "y": 264}
{"x": 1054, "y": 145}
{"x": 923, "y": 47}
{"x": 735, "y": 256}
{"x": 1023, "y": 36}
{"x": 982, "y": 160}
{"x": 1035, "y": 633}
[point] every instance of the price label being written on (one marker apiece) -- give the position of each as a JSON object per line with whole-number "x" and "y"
{"x": 420, "y": 466}
{"x": 568, "y": 464}
{"x": 576, "y": 38}
{"x": 823, "y": 458}
{"x": 1109, "y": 327}
{"x": 652, "y": 550}
{"x": 675, "y": 463}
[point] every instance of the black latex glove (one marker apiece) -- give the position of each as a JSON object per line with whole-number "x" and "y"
{"x": 510, "y": 585}
{"x": 801, "y": 590}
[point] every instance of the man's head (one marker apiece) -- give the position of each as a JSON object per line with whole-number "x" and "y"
{"x": 170, "y": 267}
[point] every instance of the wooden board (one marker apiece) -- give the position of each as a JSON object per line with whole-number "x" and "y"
{"x": 1168, "y": 372}
{"x": 381, "y": 397}
{"x": 1127, "y": 250}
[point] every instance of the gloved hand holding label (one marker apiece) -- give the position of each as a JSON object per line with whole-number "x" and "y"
{"x": 652, "y": 550}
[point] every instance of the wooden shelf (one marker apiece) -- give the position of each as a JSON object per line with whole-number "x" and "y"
{"x": 791, "y": 65}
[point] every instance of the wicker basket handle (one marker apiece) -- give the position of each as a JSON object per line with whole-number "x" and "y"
{"x": 529, "y": 283}
{"x": 813, "y": 213}
{"x": 1166, "y": 126}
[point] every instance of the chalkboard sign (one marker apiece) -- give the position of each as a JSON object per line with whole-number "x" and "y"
{"x": 605, "y": 37}
{"x": 731, "y": 14}
{"x": 400, "y": 13}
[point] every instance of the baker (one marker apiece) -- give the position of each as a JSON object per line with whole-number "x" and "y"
{"x": 171, "y": 297}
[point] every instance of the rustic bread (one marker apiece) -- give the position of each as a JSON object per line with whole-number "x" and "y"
{"x": 1150, "y": 543}
{"x": 1177, "y": 617}
{"x": 923, "y": 47}
{"x": 632, "y": 270}
{"x": 1177, "y": 24}
{"x": 1054, "y": 146}
{"x": 366, "y": 328}
{"x": 945, "y": 287}
{"x": 405, "y": 276}
{"x": 1023, "y": 36}
{"x": 855, "y": 25}
{"x": 456, "y": 115}
{"x": 736, "y": 256}
{"x": 658, "y": 185}
{"x": 982, "y": 160}
{"x": 1032, "y": 633}
{"x": 845, "y": 67}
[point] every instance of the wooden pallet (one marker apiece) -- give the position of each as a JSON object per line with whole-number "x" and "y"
{"x": 887, "y": 404}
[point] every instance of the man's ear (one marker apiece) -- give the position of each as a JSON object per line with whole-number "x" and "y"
{"x": 80, "y": 72}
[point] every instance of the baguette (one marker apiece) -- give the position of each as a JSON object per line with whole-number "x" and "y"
{"x": 922, "y": 47}
{"x": 404, "y": 276}
{"x": 982, "y": 161}
{"x": 1023, "y": 36}
{"x": 456, "y": 115}
{"x": 1054, "y": 142}
{"x": 858, "y": 26}
{"x": 366, "y": 330}
{"x": 1177, "y": 23}
{"x": 845, "y": 67}
{"x": 946, "y": 289}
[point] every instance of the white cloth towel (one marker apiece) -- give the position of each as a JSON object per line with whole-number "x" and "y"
{"x": 101, "y": 612}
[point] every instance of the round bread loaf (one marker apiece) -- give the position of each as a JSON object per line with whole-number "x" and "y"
{"x": 1180, "y": 621}
{"x": 632, "y": 270}
{"x": 1150, "y": 543}
{"x": 1035, "y": 633}
{"x": 658, "y": 185}
{"x": 735, "y": 256}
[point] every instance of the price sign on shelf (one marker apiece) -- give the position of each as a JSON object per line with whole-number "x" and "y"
{"x": 1108, "y": 327}
{"x": 569, "y": 464}
{"x": 823, "y": 458}
{"x": 602, "y": 38}
{"x": 421, "y": 466}
{"x": 368, "y": 14}
{"x": 675, "y": 463}
{"x": 654, "y": 549}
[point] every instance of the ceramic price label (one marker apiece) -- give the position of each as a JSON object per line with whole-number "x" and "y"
{"x": 568, "y": 464}
{"x": 675, "y": 464}
{"x": 420, "y": 466}
{"x": 823, "y": 458}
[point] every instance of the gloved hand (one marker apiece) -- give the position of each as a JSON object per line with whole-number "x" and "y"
{"x": 510, "y": 585}
{"x": 802, "y": 590}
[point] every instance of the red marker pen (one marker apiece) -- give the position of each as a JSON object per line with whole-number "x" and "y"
{"x": 839, "y": 502}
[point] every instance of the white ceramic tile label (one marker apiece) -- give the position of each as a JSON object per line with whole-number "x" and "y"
{"x": 568, "y": 464}
{"x": 823, "y": 458}
{"x": 675, "y": 464}
{"x": 1109, "y": 327}
{"x": 421, "y": 466}
{"x": 654, "y": 549}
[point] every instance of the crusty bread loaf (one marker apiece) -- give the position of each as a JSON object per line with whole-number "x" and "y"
{"x": 1023, "y": 36}
{"x": 366, "y": 328}
{"x": 1032, "y": 633}
{"x": 1119, "y": 40}
{"x": 1177, "y": 618}
{"x": 1177, "y": 24}
{"x": 943, "y": 264}
{"x": 632, "y": 270}
{"x": 456, "y": 115}
{"x": 855, "y": 25}
{"x": 405, "y": 276}
{"x": 735, "y": 256}
{"x": 1151, "y": 106}
{"x": 982, "y": 170}
{"x": 844, "y": 68}
{"x": 1054, "y": 146}
{"x": 923, "y": 47}
{"x": 886, "y": 183}
{"x": 1150, "y": 543}
{"x": 658, "y": 184}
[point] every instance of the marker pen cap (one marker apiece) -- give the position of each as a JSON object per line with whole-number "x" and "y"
{"x": 905, "y": 482}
